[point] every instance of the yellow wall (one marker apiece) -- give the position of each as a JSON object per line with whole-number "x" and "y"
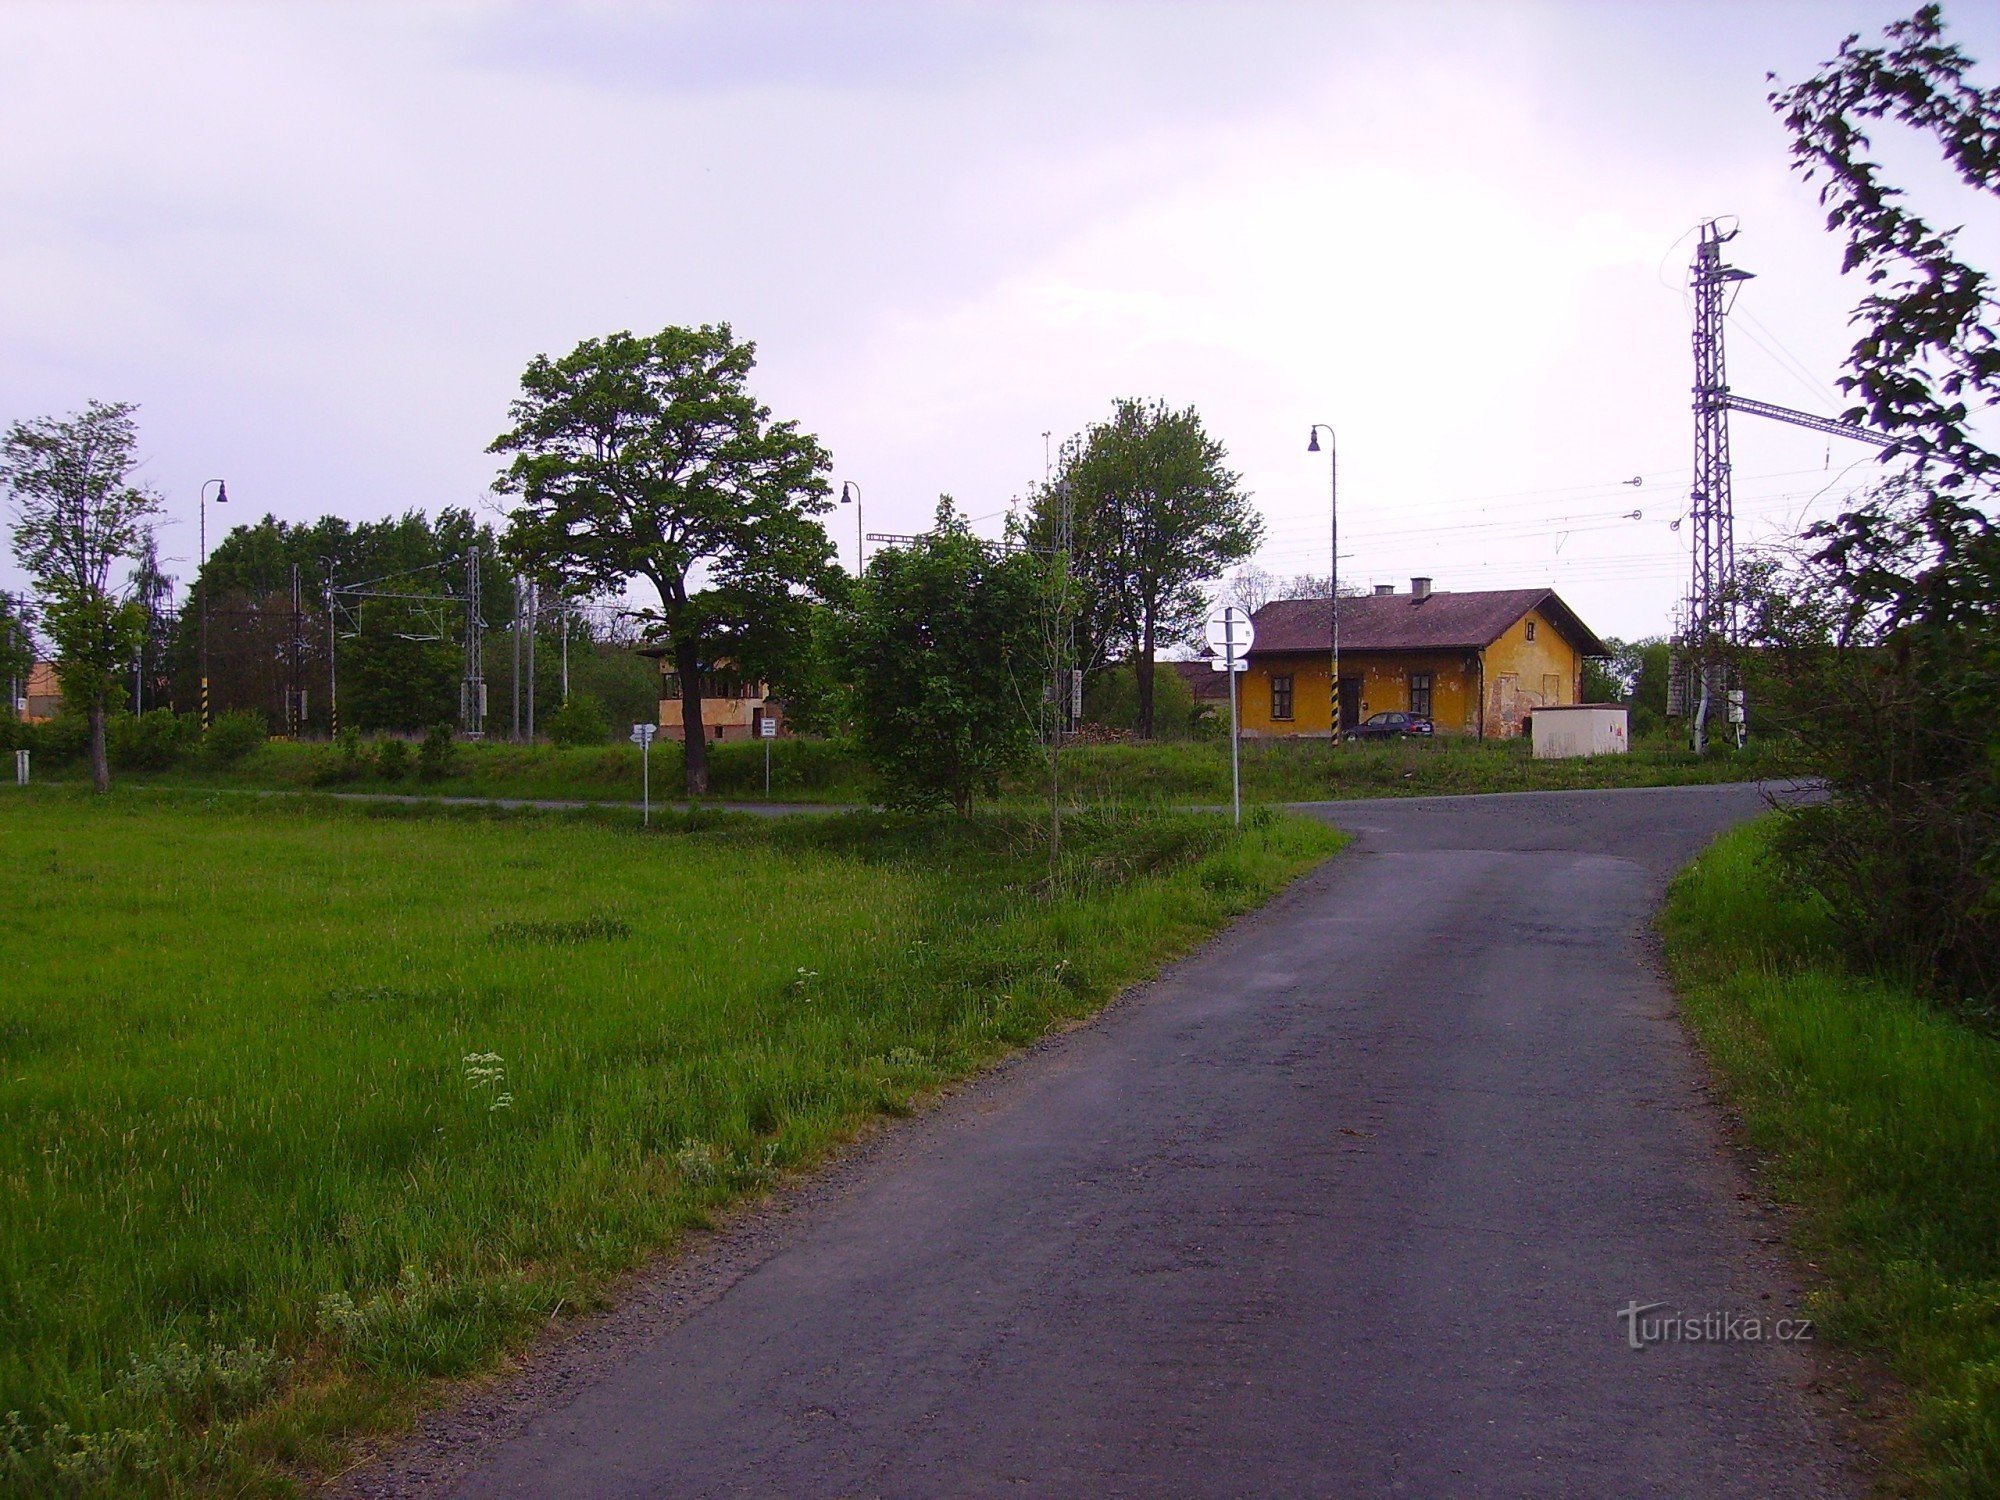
{"x": 1520, "y": 675}
{"x": 1385, "y": 685}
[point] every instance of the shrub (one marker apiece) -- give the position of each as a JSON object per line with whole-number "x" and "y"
{"x": 392, "y": 759}
{"x": 438, "y": 754}
{"x": 580, "y": 721}
{"x": 147, "y": 742}
{"x": 233, "y": 736}
{"x": 341, "y": 761}
{"x": 58, "y": 741}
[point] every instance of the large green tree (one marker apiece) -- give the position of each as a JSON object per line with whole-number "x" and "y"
{"x": 947, "y": 664}
{"x": 1152, "y": 514}
{"x": 77, "y": 512}
{"x": 1888, "y": 626}
{"x": 648, "y": 457}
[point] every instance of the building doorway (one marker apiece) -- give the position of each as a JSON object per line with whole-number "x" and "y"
{"x": 1350, "y": 704}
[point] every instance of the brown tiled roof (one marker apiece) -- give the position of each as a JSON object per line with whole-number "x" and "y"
{"x": 1402, "y": 622}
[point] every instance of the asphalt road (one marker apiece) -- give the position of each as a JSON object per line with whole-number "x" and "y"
{"x": 1346, "y": 1204}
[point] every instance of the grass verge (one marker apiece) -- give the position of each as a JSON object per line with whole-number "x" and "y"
{"x": 820, "y": 772}
{"x": 305, "y": 1106}
{"x": 1880, "y": 1119}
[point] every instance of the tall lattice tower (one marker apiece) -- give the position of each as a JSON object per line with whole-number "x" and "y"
{"x": 1710, "y": 629}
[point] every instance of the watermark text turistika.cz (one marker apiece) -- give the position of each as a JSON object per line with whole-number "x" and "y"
{"x": 1658, "y": 1323}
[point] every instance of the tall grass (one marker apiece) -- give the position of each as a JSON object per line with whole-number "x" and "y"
{"x": 302, "y": 1105}
{"x": 1880, "y": 1117}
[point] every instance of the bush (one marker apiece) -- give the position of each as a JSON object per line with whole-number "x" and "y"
{"x": 233, "y": 736}
{"x": 438, "y": 755}
{"x": 581, "y": 721}
{"x": 341, "y": 761}
{"x": 148, "y": 742}
{"x": 392, "y": 759}
{"x": 58, "y": 741}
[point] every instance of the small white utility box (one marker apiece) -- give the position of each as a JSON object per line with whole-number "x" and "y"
{"x": 1579, "y": 729}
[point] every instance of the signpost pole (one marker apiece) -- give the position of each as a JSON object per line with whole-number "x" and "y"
{"x": 767, "y": 766}
{"x": 646, "y": 783}
{"x": 1229, "y": 671}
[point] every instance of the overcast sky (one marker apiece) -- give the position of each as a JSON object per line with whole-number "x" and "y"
{"x": 318, "y": 243}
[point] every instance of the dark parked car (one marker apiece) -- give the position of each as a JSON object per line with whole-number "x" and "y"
{"x": 1390, "y": 726}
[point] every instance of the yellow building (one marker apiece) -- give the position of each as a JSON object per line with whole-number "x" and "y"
{"x": 1472, "y": 663}
{"x": 732, "y": 707}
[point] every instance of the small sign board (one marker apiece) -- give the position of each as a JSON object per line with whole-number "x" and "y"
{"x": 1229, "y": 632}
{"x": 1217, "y": 664}
{"x": 642, "y": 734}
{"x": 767, "y": 728}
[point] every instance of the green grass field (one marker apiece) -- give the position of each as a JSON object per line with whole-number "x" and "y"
{"x": 1879, "y": 1117}
{"x": 305, "y": 1106}
{"x": 820, "y": 772}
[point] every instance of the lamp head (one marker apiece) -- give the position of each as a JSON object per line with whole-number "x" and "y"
{"x": 1312, "y": 441}
{"x": 221, "y": 492}
{"x": 846, "y": 492}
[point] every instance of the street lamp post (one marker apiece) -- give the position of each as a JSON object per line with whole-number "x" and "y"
{"x": 850, "y": 494}
{"x": 1333, "y": 554}
{"x": 221, "y": 498}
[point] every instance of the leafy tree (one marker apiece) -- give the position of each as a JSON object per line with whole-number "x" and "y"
{"x": 248, "y": 577}
{"x": 1154, "y": 513}
{"x": 1111, "y": 698}
{"x": 407, "y": 678}
{"x": 1886, "y": 630}
{"x": 947, "y": 667}
{"x": 17, "y": 643}
{"x": 581, "y": 721}
{"x": 77, "y": 512}
{"x": 648, "y": 457}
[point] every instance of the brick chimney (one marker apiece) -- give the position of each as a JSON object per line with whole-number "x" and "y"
{"x": 1385, "y": 588}
{"x": 1420, "y": 590}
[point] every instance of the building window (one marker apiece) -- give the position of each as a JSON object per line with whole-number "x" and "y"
{"x": 1420, "y": 694}
{"x": 1531, "y": 630}
{"x": 1281, "y": 696}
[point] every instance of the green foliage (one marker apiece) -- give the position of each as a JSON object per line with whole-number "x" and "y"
{"x": 392, "y": 759}
{"x": 232, "y": 736}
{"x": 437, "y": 757}
{"x": 624, "y": 682}
{"x": 150, "y": 742}
{"x": 1154, "y": 513}
{"x": 1111, "y": 698}
{"x": 328, "y": 1092}
{"x": 76, "y": 513}
{"x": 648, "y": 457}
{"x": 1879, "y": 1121}
{"x": 581, "y": 721}
{"x": 17, "y": 643}
{"x": 1881, "y": 645}
{"x": 340, "y": 762}
{"x": 405, "y": 675}
{"x": 947, "y": 667}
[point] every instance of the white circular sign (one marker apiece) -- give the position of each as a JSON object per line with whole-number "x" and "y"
{"x": 1229, "y": 631}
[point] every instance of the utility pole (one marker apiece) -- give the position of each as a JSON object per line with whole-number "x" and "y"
{"x": 534, "y": 624}
{"x": 472, "y": 690}
{"x": 332, "y": 648}
{"x": 295, "y": 691}
{"x": 1711, "y": 627}
{"x": 517, "y": 658}
{"x": 1709, "y": 634}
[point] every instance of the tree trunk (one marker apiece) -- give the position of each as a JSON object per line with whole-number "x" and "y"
{"x": 100, "y": 763}
{"x": 1145, "y": 675}
{"x": 694, "y": 733}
